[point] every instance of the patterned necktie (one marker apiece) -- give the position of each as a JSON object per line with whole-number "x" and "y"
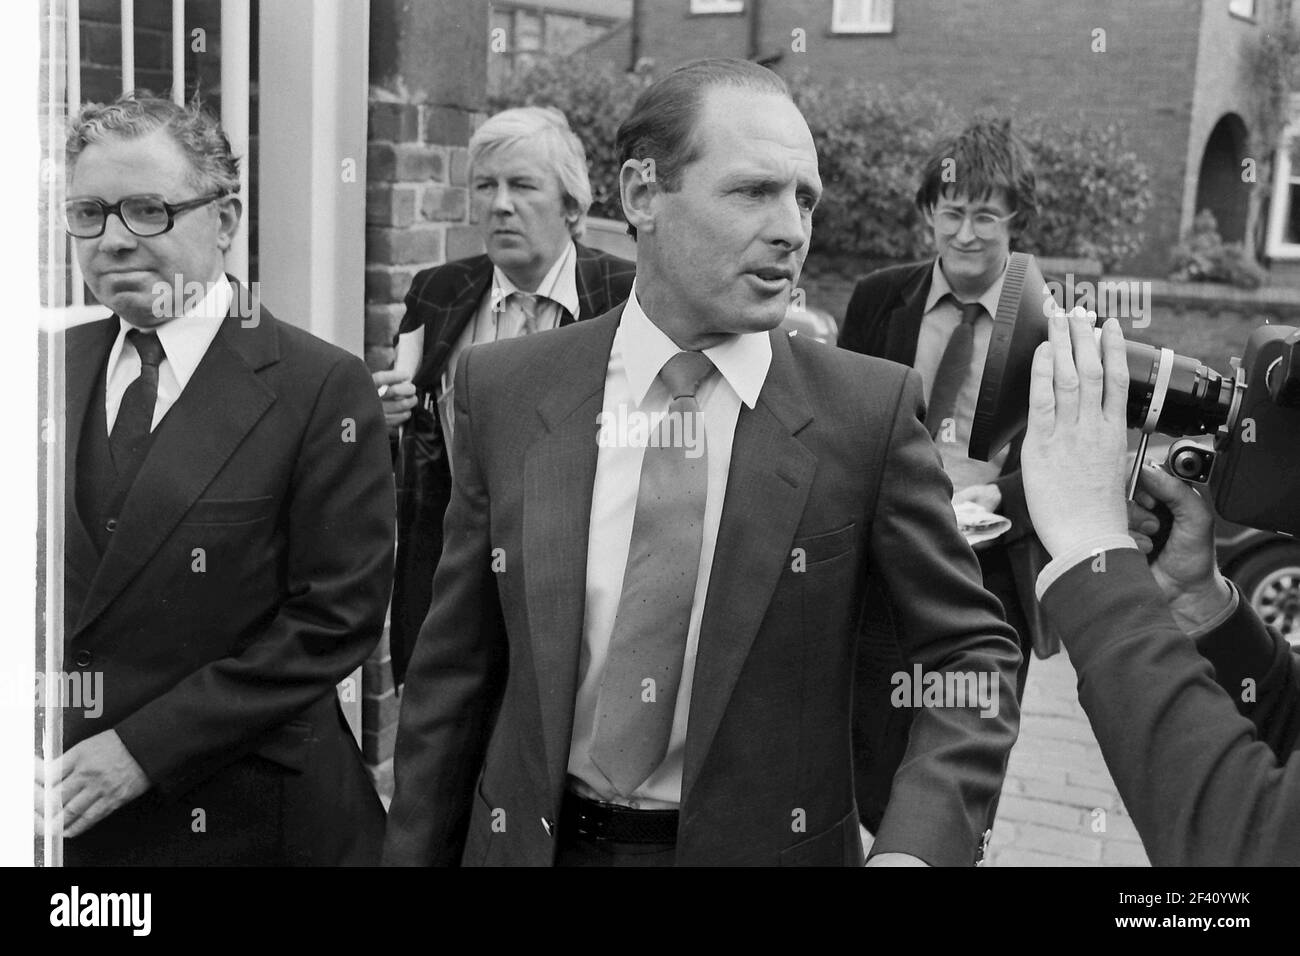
{"x": 954, "y": 368}
{"x": 534, "y": 308}
{"x": 647, "y": 647}
{"x": 135, "y": 413}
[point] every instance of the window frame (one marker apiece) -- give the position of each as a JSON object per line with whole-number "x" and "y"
{"x": 1250, "y": 17}
{"x": 714, "y": 8}
{"x": 839, "y": 28}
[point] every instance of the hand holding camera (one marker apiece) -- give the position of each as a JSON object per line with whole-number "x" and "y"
{"x": 1185, "y": 568}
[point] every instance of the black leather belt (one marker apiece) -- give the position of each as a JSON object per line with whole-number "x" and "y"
{"x": 617, "y": 824}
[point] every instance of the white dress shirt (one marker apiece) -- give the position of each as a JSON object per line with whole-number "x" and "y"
{"x": 940, "y": 318}
{"x": 632, "y": 383}
{"x": 185, "y": 341}
{"x": 497, "y": 319}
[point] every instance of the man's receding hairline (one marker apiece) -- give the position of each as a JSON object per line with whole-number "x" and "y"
{"x": 694, "y": 143}
{"x": 193, "y": 175}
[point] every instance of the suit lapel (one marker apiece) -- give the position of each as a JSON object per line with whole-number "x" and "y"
{"x": 85, "y": 358}
{"x": 222, "y": 402}
{"x": 904, "y": 326}
{"x": 593, "y": 294}
{"x": 452, "y": 320}
{"x": 767, "y": 488}
{"x": 559, "y": 475}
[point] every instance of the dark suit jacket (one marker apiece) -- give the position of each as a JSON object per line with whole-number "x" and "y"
{"x": 219, "y": 666}
{"x": 833, "y": 459}
{"x": 884, "y": 319}
{"x": 1209, "y": 779}
{"x": 442, "y": 301}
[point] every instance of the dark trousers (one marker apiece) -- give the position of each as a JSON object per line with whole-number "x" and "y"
{"x": 998, "y": 579}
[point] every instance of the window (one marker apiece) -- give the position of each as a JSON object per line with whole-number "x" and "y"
{"x": 862, "y": 16}
{"x": 1242, "y": 8}
{"x": 717, "y": 6}
{"x": 1284, "y": 209}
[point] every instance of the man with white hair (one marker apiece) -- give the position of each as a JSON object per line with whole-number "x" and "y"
{"x": 530, "y": 194}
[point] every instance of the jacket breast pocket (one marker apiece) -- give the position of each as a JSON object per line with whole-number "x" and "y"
{"x": 229, "y": 511}
{"x": 817, "y": 548}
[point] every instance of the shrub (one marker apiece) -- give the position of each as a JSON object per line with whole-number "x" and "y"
{"x": 871, "y": 143}
{"x": 595, "y": 98}
{"x": 1203, "y": 256}
{"x": 1093, "y": 194}
{"x": 870, "y": 148}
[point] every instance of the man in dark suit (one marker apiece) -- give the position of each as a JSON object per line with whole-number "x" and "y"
{"x": 976, "y": 193}
{"x": 640, "y": 650}
{"x": 530, "y": 195}
{"x": 1196, "y": 705}
{"x": 228, "y": 523}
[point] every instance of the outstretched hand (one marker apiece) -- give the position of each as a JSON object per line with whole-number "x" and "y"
{"x": 1073, "y": 456}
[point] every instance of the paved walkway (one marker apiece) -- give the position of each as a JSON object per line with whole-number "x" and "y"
{"x": 1059, "y": 806}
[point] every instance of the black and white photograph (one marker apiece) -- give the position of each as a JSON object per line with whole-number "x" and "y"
{"x": 663, "y": 433}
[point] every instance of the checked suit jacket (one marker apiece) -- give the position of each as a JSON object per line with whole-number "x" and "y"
{"x": 248, "y": 573}
{"x": 443, "y": 301}
{"x": 834, "y": 460}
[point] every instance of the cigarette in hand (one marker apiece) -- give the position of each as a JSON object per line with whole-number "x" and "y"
{"x": 383, "y": 390}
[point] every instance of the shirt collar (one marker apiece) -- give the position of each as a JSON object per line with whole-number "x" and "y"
{"x": 185, "y": 339}
{"x": 939, "y": 288}
{"x": 742, "y": 359}
{"x": 559, "y": 284}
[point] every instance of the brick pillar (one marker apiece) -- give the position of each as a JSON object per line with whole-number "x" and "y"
{"x": 428, "y": 75}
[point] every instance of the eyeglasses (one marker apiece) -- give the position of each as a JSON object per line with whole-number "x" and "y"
{"x": 948, "y": 222}
{"x": 145, "y": 216}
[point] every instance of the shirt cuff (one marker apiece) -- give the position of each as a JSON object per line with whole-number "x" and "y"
{"x": 1077, "y": 554}
{"x": 1221, "y": 618}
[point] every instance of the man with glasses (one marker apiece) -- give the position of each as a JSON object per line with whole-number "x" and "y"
{"x": 977, "y": 194}
{"x": 228, "y": 530}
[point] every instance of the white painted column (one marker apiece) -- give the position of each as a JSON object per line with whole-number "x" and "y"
{"x": 178, "y": 52}
{"x": 128, "y": 45}
{"x": 312, "y": 140}
{"x": 235, "y": 65}
{"x": 311, "y": 227}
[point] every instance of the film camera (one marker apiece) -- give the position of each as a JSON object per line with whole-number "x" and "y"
{"x": 1253, "y": 472}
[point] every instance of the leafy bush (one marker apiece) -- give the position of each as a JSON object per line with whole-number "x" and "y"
{"x": 595, "y": 99}
{"x": 1093, "y": 194}
{"x": 870, "y": 148}
{"x": 1203, "y": 256}
{"x": 871, "y": 145}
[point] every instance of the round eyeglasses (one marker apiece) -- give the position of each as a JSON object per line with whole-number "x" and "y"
{"x": 145, "y": 216}
{"x": 948, "y": 222}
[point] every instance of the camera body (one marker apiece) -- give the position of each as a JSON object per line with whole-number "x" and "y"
{"x": 1254, "y": 415}
{"x": 1256, "y": 474}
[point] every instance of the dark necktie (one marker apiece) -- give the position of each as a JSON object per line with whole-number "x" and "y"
{"x": 954, "y": 368}
{"x": 135, "y": 414}
{"x": 647, "y": 647}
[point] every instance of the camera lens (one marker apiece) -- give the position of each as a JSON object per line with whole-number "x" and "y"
{"x": 1197, "y": 399}
{"x": 1187, "y": 463}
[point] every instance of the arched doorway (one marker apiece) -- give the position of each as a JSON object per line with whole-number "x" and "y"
{"x": 1219, "y": 187}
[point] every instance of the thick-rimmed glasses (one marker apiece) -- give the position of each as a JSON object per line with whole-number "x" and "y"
{"x": 145, "y": 216}
{"x": 948, "y": 222}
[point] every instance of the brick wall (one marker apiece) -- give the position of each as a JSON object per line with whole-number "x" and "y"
{"x": 1220, "y": 89}
{"x": 428, "y": 72}
{"x": 1019, "y": 56}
